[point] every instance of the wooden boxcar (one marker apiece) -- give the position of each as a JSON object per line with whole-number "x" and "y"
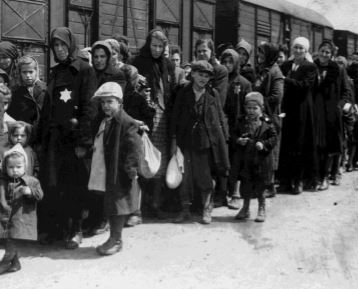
{"x": 346, "y": 41}
{"x": 276, "y": 21}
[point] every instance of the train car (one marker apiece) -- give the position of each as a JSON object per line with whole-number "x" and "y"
{"x": 347, "y": 42}
{"x": 28, "y": 23}
{"x": 276, "y": 21}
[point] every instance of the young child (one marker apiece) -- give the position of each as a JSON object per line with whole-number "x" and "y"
{"x": 199, "y": 130}
{"x": 5, "y": 119}
{"x": 28, "y": 97}
{"x": 19, "y": 194}
{"x": 115, "y": 162}
{"x": 255, "y": 137}
{"x": 19, "y": 132}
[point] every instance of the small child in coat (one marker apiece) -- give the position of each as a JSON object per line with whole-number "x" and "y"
{"x": 115, "y": 163}
{"x": 255, "y": 137}
{"x": 28, "y": 97}
{"x": 19, "y": 132}
{"x": 19, "y": 194}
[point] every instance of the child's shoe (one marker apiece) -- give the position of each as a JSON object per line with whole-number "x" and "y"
{"x": 206, "y": 220}
{"x": 261, "y": 213}
{"x": 5, "y": 263}
{"x": 15, "y": 265}
{"x": 234, "y": 203}
{"x": 110, "y": 247}
{"x": 244, "y": 213}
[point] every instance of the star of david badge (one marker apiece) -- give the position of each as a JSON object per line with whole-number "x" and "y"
{"x": 65, "y": 95}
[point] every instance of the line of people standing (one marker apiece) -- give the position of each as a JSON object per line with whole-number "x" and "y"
{"x": 240, "y": 130}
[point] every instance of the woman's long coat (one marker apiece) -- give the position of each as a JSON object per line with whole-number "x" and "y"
{"x": 298, "y": 124}
{"x": 331, "y": 93}
{"x": 270, "y": 84}
{"x": 122, "y": 149}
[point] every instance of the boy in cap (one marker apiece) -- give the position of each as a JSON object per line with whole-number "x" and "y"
{"x": 254, "y": 137}
{"x": 115, "y": 162}
{"x": 198, "y": 128}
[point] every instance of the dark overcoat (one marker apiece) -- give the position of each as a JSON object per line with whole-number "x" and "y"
{"x": 220, "y": 80}
{"x": 251, "y": 162}
{"x": 23, "y": 219}
{"x": 27, "y": 107}
{"x": 298, "y": 124}
{"x": 331, "y": 93}
{"x": 122, "y": 149}
{"x": 184, "y": 118}
{"x": 270, "y": 84}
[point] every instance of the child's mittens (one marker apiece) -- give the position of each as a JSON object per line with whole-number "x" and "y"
{"x": 22, "y": 191}
{"x": 259, "y": 146}
{"x": 26, "y": 191}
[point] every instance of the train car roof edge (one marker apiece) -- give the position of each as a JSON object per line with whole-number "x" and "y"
{"x": 294, "y": 10}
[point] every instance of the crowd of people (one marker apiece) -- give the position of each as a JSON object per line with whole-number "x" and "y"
{"x": 246, "y": 130}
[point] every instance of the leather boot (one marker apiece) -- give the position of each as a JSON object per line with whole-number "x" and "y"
{"x": 261, "y": 214}
{"x": 298, "y": 188}
{"x": 114, "y": 242}
{"x": 15, "y": 265}
{"x": 184, "y": 215}
{"x": 6, "y": 262}
{"x": 244, "y": 213}
{"x": 324, "y": 185}
{"x": 207, "y": 208}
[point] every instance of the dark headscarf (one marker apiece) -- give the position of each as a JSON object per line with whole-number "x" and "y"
{"x": 107, "y": 49}
{"x": 65, "y": 35}
{"x": 271, "y": 52}
{"x": 158, "y": 65}
{"x": 8, "y": 49}
{"x": 235, "y": 57}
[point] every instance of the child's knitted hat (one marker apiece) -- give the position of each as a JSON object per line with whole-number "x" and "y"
{"x": 256, "y": 97}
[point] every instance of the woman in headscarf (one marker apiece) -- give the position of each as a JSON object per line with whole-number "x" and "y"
{"x": 159, "y": 72}
{"x": 269, "y": 82}
{"x": 244, "y": 49}
{"x": 238, "y": 87}
{"x": 8, "y": 61}
{"x": 102, "y": 63}
{"x": 65, "y": 136}
{"x": 332, "y": 96}
{"x": 298, "y": 135}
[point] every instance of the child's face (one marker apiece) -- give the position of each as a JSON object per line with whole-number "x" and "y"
{"x": 253, "y": 110}
{"x": 110, "y": 105}
{"x": 228, "y": 62}
{"x": 5, "y": 62}
{"x": 200, "y": 78}
{"x": 15, "y": 167}
{"x": 28, "y": 73}
{"x": 19, "y": 136}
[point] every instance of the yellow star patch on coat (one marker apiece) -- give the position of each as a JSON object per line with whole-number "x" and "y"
{"x": 65, "y": 95}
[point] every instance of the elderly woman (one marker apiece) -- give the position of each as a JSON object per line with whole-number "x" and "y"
{"x": 298, "y": 133}
{"x": 8, "y": 61}
{"x": 65, "y": 137}
{"x": 269, "y": 82}
{"x": 159, "y": 72}
{"x": 332, "y": 96}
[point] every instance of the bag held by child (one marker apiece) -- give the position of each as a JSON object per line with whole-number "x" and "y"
{"x": 150, "y": 158}
{"x": 175, "y": 170}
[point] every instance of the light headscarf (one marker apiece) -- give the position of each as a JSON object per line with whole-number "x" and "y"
{"x": 303, "y": 41}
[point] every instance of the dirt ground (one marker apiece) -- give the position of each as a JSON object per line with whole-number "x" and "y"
{"x": 308, "y": 241}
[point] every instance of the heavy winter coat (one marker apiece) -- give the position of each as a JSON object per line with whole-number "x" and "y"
{"x": 252, "y": 162}
{"x": 23, "y": 220}
{"x": 122, "y": 149}
{"x": 184, "y": 119}
{"x": 331, "y": 92}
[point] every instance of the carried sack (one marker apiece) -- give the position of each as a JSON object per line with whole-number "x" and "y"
{"x": 175, "y": 170}
{"x": 150, "y": 159}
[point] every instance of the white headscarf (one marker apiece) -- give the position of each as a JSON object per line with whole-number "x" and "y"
{"x": 303, "y": 41}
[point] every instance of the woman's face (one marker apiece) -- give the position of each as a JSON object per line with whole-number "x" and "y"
{"x": 176, "y": 59}
{"x": 156, "y": 48}
{"x": 244, "y": 57}
{"x": 61, "y": 50}
{"x": 324, "y": 54}
{"x": 115, "y": 57}
{"x": 100, "y": 59}
{"x": 299, "y": 52}
{"x": 260, "y": 56}
{"x": 203, "y": 52}
{"x": 5, "y": 62}
{"x": 228, "y": 62}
